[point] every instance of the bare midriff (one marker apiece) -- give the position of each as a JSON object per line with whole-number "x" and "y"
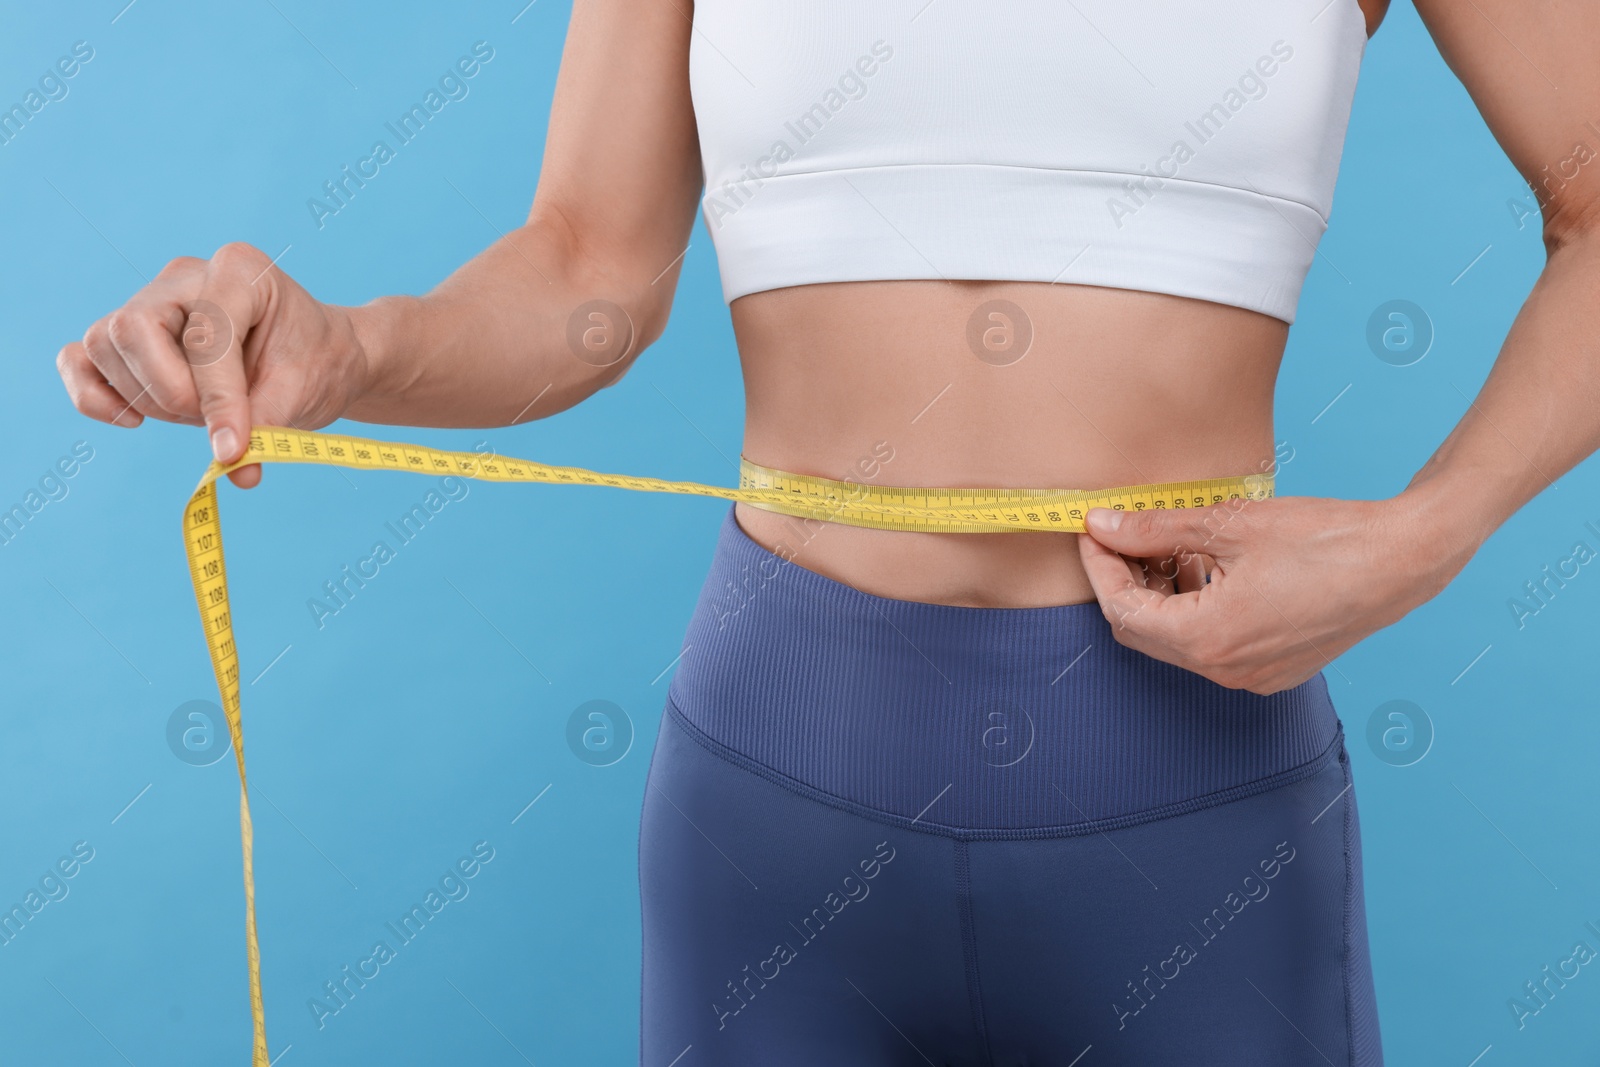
{"x": 894, "y": 383}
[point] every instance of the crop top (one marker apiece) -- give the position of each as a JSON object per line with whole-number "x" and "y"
{"x": 1170, "y": 146}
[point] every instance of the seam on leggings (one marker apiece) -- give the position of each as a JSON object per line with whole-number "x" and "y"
{"x": 960, "y": 833}
{"x": 1349, "y": 907}
{"x": 969, "y": 950}
{"x": 638, "y": 846}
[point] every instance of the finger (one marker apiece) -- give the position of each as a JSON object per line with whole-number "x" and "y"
{"x": 246, "y": 477}
{"x": 267, "y": 408}
{"x": 89, "y": 392}
{"x": 1191, "y": 571}
{"x": 108, "y": 363}
{"x": 1162, "y": 532}
{"x": 1160, "y": 574}
{"x": 229, "y": 305}
{"x": 144, "y": 335}
{"x": 1118, "y": 584}
{"x": 1162, "y": 625}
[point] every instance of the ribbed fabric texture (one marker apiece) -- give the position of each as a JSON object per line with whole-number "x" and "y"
{"x": 1005, "y": 721}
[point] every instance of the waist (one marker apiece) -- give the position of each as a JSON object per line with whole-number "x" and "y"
{"x": 989, "y": 384}
{"x": 969, "y": 720}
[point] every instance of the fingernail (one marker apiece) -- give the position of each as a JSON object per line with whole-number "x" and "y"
{"x": 1105, "y": 519}
{"x": 224, "y": 444}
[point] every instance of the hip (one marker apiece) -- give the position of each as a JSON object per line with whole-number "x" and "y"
{"x": 972, "y": 721}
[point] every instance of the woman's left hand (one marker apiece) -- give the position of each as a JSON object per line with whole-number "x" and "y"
{"x": 1296, "y": 582}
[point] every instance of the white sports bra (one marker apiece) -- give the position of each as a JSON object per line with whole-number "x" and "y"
{"x": 1169, "y": 146}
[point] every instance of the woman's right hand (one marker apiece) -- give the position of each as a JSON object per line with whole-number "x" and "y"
{"x": 229, "y": 343}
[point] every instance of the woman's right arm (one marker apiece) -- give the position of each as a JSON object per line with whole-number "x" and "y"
{"x": 538, "y": 321}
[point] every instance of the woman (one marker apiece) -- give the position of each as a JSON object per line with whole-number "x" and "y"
{"x": 949, "y": 798}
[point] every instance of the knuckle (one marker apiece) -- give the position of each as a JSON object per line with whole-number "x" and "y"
{"x": 1119, "y": 615}
{"x": 162, "y": 395}
{"x": 1113, "y": 618}
{"x": 239, "y": 255}
{"x": 183, "y": 402}
{"x": 1149, "y": 523}
{"x": 97, "y": 349}
{"x": 215, "y": 398}
{"x": 1142, "y": 632}
{"x": 121, "y": 326}
{"x": 1223, "y": 519}
{"x": 1123, "y": 634}
{"x": 181, "y": 265}
{"x": 94, "y": 335}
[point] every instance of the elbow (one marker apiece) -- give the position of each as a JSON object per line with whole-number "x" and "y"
{"x": 606, "y": 335}
{"x": 615, "y": 293}
{"x": 1571, "y": 222}
{"x": 610, "y": 334}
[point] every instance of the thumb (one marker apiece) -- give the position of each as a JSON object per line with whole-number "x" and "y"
{"x": 1162, "y": 532}
{"x": 217, "y": 364}
{"x": 216, "y": 323}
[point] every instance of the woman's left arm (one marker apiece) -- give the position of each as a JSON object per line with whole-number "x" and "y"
{"x": 1299, "y": 580}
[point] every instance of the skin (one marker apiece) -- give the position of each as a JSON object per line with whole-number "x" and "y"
{"x": 1119, "y": 387}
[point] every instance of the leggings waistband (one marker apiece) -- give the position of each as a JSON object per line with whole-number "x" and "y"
{"x": 971, "y": 721}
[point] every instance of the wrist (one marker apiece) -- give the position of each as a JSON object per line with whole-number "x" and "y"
{"x": 1441, "y": 524}
{"x": 380, "y": 330}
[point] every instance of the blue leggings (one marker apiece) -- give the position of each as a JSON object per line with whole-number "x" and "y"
{"x": 879, "y": 832}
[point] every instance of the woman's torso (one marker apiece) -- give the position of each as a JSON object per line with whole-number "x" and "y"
{"x": 927, "y": 378}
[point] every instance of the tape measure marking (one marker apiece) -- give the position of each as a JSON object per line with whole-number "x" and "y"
{"x": 927, "y": 510}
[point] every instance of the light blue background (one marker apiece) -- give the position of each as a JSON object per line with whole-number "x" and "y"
{"x": 385, "y": 745}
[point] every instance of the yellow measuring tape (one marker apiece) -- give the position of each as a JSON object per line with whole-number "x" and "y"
{"x": 851, "y": 503}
